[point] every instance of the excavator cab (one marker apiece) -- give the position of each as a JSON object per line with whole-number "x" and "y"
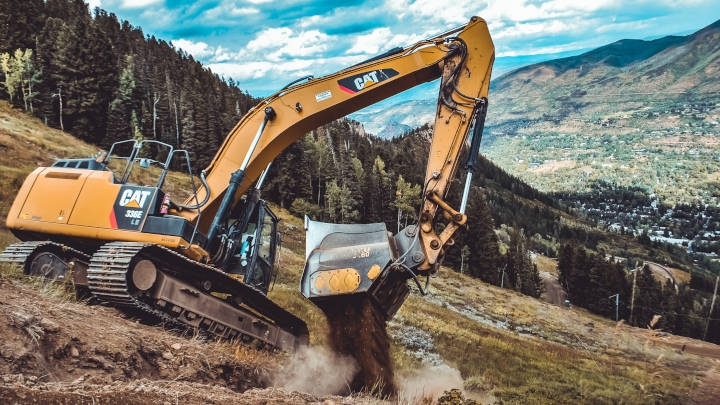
{"x": 256, "y": 248}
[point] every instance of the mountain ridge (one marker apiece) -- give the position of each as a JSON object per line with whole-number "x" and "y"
{"x": 624, "y": 54}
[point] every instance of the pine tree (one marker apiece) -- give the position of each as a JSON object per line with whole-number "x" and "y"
{"x": 121, "y": 110}
{"x": 19, "y": 22}
{"x": 407, "y": 199}
{"x": 648, "y": 297}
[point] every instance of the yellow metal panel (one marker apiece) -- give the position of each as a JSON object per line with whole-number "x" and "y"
{"x": 21, "y": 196}
{"x": 53, "y": 195}
{"x": 96, "y": 201}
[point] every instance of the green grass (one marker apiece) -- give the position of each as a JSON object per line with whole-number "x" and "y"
{"x": 523, "y": 371}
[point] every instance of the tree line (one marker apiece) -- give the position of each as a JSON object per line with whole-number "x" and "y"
{"x": 592, "y": 280}
{"x": 103, "y": 80}
{"x": 338, "y": 173}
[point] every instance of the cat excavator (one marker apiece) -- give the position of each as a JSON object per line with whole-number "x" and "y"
{"x": 208, "y": 262}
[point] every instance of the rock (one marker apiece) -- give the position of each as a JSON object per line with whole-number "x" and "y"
{"x": 168, "y": 356}
{"x": 176, "y": 346}
{"x": 49, "y": 325}
{"x": 74, "y": 352}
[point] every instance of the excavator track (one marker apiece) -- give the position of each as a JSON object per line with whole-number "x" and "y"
{"x": 181, "y": 295}
{"x": 23, "y": 254}
{"x": 19, "y": 253}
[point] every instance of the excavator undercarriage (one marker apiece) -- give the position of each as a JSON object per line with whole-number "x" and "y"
{"x": 161, "y": 286}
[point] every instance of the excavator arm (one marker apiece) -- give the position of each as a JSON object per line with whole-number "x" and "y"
{"x": 462, "y": 58}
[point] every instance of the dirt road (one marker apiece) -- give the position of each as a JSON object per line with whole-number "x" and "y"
{"x": 554, "y": 292}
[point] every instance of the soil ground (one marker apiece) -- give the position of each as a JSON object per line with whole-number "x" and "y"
{"x": 708, "y": 392}
{"x": 57, "y": 352}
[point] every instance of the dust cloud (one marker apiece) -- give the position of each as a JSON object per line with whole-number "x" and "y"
{"x": 317, "y": 371}
{"x": 427, "y": 384}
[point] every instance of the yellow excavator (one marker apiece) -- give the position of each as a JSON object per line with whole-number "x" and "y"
{"x": 209, "y": 261}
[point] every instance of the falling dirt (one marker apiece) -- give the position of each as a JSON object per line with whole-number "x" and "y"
{"x": 358, "y": 329}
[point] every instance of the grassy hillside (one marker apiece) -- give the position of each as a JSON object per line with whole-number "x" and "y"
{"x": 507, "y": 348}
{"x": 511, "y": 348}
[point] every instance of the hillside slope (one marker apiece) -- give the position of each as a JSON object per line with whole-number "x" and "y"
{"x": 497, "y": 344}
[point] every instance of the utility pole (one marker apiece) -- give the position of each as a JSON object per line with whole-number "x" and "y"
{"x": 59, "y": 96}
{"x": 712, "y": 306}
{"x": 617, "y": 305}
{"x": 632, "y": 297}
{"x": 177, "y": 127}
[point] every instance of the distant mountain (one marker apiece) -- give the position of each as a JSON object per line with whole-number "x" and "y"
{"x": 641, "y": 113}
{"x": 671, "y": 66}
{"x": 632, "y": 113}
{"x": 393, "y": 121}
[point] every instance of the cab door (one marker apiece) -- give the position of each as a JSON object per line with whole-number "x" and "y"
{"x": 267, "y": 250}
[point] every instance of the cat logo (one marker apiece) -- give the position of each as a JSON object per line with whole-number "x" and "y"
{"x": 362, "y": 81}
{"x": 134, "y": 198}
{"x": 131, "y": 207}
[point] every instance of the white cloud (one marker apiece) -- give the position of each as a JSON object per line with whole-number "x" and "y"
{"x": 452, "y": 12}
{"x": 284, "y": 42}
{"x": 259, "y": 1}
{"x": 227, "y": 9}
{"x": 269, "y": 38}
{"x": 259, "y": 69}
{"x": 94, "y": 3}
{"x": 294, "y": 68}
{"x": 370, "y": 43}
{"x": 138, "y": 3}
{"x": 197, "y": 49}
{"x": 534, "y": 29}
{"x": 459, "y": 11}
{"x": 243, "y": 11}
{"x": 312, "y": 21}
{"x": 381, "y": 39}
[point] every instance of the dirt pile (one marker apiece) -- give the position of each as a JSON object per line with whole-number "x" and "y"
{"x": 357, "y": 329}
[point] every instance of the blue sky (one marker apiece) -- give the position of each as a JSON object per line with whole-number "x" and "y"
{"x": 264, "y": 44}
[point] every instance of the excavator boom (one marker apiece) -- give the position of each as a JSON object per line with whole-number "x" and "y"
{"x": 353, "y": 259}
{"x": 462, "y": 57}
